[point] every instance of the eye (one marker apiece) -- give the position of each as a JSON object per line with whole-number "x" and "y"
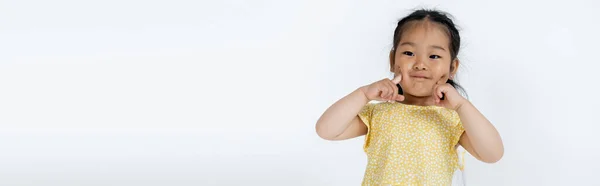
{"x": 435, "y": 56}
{"x": 408, "y": 53}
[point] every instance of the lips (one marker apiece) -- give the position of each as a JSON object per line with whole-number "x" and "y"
{"x": 419, "y": 75}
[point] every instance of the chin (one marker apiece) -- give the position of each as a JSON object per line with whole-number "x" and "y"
{"x": 419, "y": 90}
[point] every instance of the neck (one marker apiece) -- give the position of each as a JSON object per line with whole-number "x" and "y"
{"x": 420, "y": 101}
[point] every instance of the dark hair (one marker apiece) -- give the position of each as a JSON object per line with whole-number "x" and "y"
{"x": 438, "y": 17}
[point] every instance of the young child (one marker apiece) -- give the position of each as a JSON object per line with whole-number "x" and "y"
{"x": 411, "y": 139}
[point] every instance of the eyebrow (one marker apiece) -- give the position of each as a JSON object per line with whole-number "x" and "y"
{"x": 413, "y": 44}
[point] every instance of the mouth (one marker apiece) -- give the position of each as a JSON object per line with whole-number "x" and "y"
{"x": 420, "y": 77}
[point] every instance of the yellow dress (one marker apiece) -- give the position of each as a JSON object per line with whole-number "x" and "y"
{"x": 410, "y": 145}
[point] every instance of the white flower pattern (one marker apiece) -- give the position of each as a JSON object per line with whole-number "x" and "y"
{"x": 410, "y": 145}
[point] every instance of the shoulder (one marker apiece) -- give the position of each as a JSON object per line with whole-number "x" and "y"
{"x": 375, "y": 104}
{"x": 379, "y": 108}
{"x": 384, "y": 107}
{"x": 449, "y": 117}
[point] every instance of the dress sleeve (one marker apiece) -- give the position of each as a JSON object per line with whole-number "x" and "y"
{"x": 366, "y": 116}
{"x": 458, "y": 129}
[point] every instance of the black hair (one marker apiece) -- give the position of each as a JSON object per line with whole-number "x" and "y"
{"x": 440, "y": 18}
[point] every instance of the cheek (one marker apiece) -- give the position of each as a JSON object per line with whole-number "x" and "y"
{"x": 401, "y": 64}
{"x": 441, "y": 71}
{"x": 400, "y": 67}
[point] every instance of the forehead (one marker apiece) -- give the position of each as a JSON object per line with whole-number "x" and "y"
{"x": 425, "y": 33}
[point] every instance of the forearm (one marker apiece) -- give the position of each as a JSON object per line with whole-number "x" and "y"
{"x": 338, "y": 116}
{"x": 483, "y": 136}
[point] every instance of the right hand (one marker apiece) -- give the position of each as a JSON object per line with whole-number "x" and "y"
{"x": 383, "y": 90}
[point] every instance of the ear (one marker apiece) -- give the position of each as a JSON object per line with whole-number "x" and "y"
{"x": 454, "y": 67}
{"x": 392, "y": 56}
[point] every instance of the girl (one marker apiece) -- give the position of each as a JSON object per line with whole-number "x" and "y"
{"x": 412, "y": 135}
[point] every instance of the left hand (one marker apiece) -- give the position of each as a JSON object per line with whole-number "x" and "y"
{"x": 452, "y": 99}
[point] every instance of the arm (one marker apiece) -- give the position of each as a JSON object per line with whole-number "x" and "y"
{"x": 341, "y": 121}
{"x": 480, "y": 139}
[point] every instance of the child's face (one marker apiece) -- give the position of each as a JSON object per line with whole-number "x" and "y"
{"x": 423, "y": 58}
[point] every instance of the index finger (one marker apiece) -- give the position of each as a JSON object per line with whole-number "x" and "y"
{"x": 397, "y": 79}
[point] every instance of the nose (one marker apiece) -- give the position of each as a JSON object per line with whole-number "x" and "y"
{"x": 420, "y": 66}
{"x": 420, "y": 62}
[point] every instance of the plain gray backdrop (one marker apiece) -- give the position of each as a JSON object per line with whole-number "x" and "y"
{"x": 227, "y": 92}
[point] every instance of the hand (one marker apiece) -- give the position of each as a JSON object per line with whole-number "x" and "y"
{"x": 452, "y": 99}
{"x": 383, "y": 90}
